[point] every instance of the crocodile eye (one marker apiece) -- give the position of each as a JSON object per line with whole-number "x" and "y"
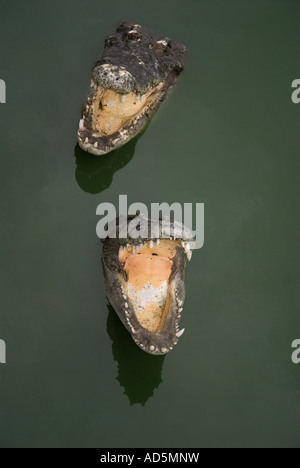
{"x": 160, "y": 48}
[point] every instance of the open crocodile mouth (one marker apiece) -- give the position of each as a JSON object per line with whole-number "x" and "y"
{"x": 111, "y": 119}
{"x": 144, "y": 281}
{"x": 129, "y": 82}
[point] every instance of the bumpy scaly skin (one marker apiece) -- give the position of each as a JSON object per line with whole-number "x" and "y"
{"x": 156, "y": 343}
{"x": 134, "y": 63}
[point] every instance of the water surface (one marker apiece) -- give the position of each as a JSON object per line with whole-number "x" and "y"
{"x": 228, "y": 137}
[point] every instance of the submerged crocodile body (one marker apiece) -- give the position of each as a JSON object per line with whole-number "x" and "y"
{"x": 129, "y": 82}
{"x": 144, "y": 279}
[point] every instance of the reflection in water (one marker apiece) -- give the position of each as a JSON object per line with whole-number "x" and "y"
{"x": 95, "y": 173}
{"x": 139, "y": 372}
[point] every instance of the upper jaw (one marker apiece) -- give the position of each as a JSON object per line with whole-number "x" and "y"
{"x": 135, "y": 60}
{"x": 151, "y": 230}
{"x": 125, "y": 303}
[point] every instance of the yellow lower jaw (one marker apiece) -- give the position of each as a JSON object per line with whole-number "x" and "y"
{"x": 115, "y": 110}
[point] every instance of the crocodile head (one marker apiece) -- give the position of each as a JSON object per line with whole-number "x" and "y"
{"x": 144, "y": 278}
{"x": 131, "y": 79}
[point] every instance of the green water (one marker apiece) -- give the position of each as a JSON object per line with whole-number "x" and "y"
{"x": 228, "y": 137}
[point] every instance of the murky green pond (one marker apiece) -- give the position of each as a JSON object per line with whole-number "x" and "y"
{"x": 228, "y": 137}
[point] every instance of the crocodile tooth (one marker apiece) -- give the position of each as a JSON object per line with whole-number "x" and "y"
{"x": 178, "y": 334}
{"x": 96, "y": 145}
